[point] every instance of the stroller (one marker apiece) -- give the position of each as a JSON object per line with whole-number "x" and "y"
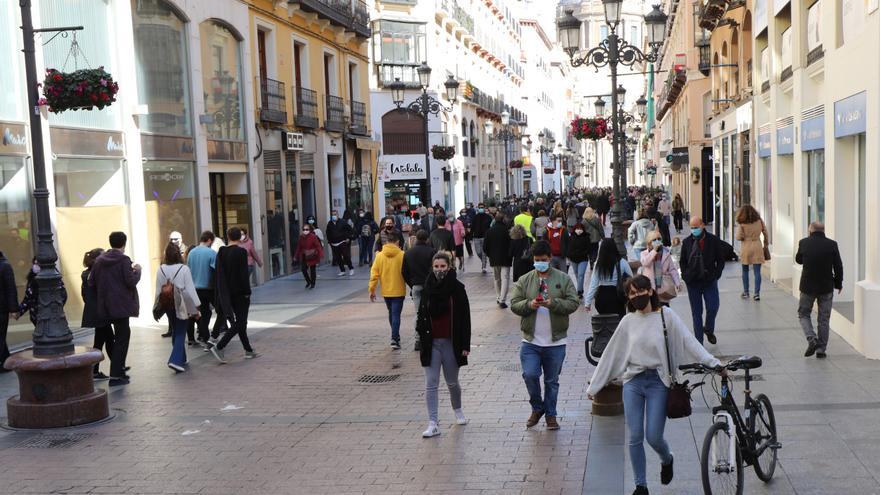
{"x": 604, "y": 326}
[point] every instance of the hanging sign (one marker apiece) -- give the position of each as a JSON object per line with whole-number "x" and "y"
{"x": 402, "y": 167}
{"x": 850, "y": 115}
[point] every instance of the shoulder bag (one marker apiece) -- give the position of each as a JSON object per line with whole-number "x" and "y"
{"x": 766, "y": 248}
{"x": 678, "y": 400}
{"x": 621, "y": 282}
{"x": 165, "y": 298}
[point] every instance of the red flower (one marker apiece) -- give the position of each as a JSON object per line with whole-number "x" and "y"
{"x": 57, "y": 78}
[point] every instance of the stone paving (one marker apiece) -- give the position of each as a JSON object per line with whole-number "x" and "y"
{"x": 297, "y": 420}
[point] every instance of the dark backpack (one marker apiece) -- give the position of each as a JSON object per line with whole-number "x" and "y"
{"x": 166, "y": 293}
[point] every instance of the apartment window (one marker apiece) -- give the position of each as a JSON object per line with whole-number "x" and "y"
{"x": 464, "y": 137}
{"x": 765, "y": 65}
{"x": 221, "y": 72}
{"x": 634, "y": 36}
{"x": 603, "y": 32}
{"x": 852, "y": 19}
{"x": 814, "y": 32}
{"x": 400, "y": 43}
{"x": 299, "y": 63}
{"x": 785, "y": 49}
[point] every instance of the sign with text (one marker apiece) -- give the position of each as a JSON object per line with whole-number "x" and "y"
{"x": 14, "y": 139}
{"x": 678, "y": 155}
{"x": 764, "y": 145}
{"x": 402, "y": 167}
{"x": 86, "y": 143}
{"x": 785, "y": 140}
{"x": 850, "y": 115}
{"x": 813, "y": 134}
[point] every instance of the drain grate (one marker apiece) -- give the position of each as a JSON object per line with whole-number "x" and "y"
{"x": 53, "y": 440}
{"x": 512, "y": 367}
{"x": 377, "y": 378}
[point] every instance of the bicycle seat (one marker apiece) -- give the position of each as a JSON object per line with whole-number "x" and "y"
{"x": 746, "y": 363}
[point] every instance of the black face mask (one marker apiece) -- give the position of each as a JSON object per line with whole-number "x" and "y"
{"x": 389, "y": 228}
{"x": 639, "y": 303}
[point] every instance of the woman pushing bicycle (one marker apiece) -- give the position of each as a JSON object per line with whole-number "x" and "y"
{"x": 640, "y": 352}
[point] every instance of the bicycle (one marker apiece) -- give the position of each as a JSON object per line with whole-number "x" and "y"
{"x": 755, "y": 442}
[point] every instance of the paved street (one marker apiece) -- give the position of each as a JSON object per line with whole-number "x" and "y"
{"x": 297, "y": 420}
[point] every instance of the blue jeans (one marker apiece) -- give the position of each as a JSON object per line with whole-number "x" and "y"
{"x": 533, "y": 358}
{"x": 365, "y": 250}
{"x": 644, "y": 405}
{"x": 442, "y": 353}
{"x": 697, "y": 293}
{"x": 757, "y": 270}
{"x": 395, "y": 306}
{"x": 178, "y": 339}
{"x": 581, "y": 271}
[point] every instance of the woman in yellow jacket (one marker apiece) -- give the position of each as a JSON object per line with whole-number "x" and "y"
{"x": 387, "y": 271}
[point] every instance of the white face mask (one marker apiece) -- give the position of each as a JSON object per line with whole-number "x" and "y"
{"x": 578, "y": 231}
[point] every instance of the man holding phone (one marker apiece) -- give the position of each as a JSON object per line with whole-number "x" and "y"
{"x": 543, "y": 298}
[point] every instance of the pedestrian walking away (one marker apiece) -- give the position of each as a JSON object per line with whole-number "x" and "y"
{"x": 253, "y": 256}
{"x": 103, "y": 331}
{"x": 115, "y": 279}
{"x": 442, "y": 238}
{"x": 309, "y": 252}
{"x": 525, "y": 220}
{"x": 479, "y": 227}
{"x": 678, "y": 213}
{"x": 366, "y": 228}
{"x": 657, "y": 264}
{"x": 822, "y": 273}
{"x": 416, "y": 268}
{"x": 444, "y": 328}
{"x": 603, "y": 293}
{"x": 637, "y": 234}
{"x": 458, "y": 234}
{"x": 465, "y": 219}
{"x": 520, "y": 251}
{"x": 577, "y": 251}
{"x": 596, "y": 232}
{"x": 176, "y": 295}
{"x": 539, "y": 226}
{"x": 543, "y": 299}
{"x": 232, "y": 291}
{"x": 339, "y": 235}
{"x": 645, "y": 341}
{"x": 702, "y": 264}
{"x": 202, "y": 263}
{"x": 387, "y": 272}
{"x": 497, "y": 249}
{"x": 752, "y": 250}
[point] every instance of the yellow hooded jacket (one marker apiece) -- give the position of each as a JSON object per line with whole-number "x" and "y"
{"x": 388, "y": 269}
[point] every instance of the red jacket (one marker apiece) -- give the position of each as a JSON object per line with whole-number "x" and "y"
{"x": 309, "y": 250}
{"x": 557, "y": 239}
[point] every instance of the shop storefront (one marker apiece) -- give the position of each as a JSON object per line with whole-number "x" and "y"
{"x": 764, "y": 152}
{"x": 813, "y": 147}
{"x": 402, "y": 178}
{"x": 851, "y": 228}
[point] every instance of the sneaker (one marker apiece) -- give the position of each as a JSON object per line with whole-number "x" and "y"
{"x": 533, "y": 419}
{"x": 666, "y": 472}
{"x": 340, "y": 274}
{"x": 207, "y": 347}
{"x": 744, "y": 295}
{"x": 395, "y": 344}
{"x": 191, "y": 343}
{"x": 218, "y": 353}
{"x": 710, "y": 336}
{"x": 432, "y": 430}
{"x": 502, "y": 305}
{"x": 115, "y": 382}
{"x": 811, "y": 348}
{"x": 821, "y": 355}
{"x": 552, "y": 424}
{"x": 484, "y": 271}
{"x": 176, "y": 367}
{"x": 641, "y": 490}
{"x": 252, "y": 355}
{"x": 351, "y": 272}
{"x": 166, "y": 334}
{"x": 757, "y": 297}
{"x": 417, "y": 346}
{"x": 460, "y": 418}
{"x": 100, "y": 376}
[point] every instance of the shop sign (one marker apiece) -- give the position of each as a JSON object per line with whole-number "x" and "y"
{"x": 850, "y": 115}
{"x": 14, "y": 140}
{"x": 678, "y": 155}
{"x": 293, "y": 141}
{"x": 172, "y": 148}
{"x": 813, "y": 134}
{"x": 87, "y": 143}
{"x": 402, "y": 167}
{"x": 226, "y": 151}
{"x": 785, "y": 140}
{"x": 764, "y": 145}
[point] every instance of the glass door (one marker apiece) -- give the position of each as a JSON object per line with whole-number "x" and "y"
{"x": 275, "y": 223}
{"x": 294, "y": 220}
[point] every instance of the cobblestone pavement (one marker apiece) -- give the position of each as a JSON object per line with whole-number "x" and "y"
{"x": 297, "y": 420}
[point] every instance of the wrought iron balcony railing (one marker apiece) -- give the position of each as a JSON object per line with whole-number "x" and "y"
{"x": 358, "y": 118}
{"x": 352, "y": 15}
{"x": 334, "y": 119}
{"x": 306, "y": 108}
{"x": 273, "y": 103}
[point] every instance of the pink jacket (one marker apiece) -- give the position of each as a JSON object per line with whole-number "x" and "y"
{"x": 667, "y": 266}
{"x": 458, "y": 232}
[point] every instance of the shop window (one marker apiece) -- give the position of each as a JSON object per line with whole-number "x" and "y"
{"x": 12, "y": 101}
{"x": 221, "y": 80}
{"x": 169, "y": 193}
{"x": 16, "y": 236}
{"x": 816, "y": 186}
{"x": 162, "y": 68}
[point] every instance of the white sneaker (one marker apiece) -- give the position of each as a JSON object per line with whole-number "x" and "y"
{"x": 340, "y": 274}
{"x": 351, "y": 273}
{"x": 432, "y": 430}
{"x": 460, "y": 419}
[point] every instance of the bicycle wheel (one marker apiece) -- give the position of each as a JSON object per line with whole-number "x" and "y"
{"x": 763, "y": 429}
{"x": 721, "y": 475}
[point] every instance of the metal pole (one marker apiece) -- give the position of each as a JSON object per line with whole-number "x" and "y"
{"x": 427, "y": 200}
{"x": 52, "y": 335}
{"x": 507, "y": 164}
{"x": 618, "y": 231}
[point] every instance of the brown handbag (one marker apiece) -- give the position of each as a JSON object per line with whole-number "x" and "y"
{"x": 766, "y": 253}
{"x": 678, "y": 400}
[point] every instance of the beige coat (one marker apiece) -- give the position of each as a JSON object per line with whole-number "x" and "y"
{"x": 752, "y": 250}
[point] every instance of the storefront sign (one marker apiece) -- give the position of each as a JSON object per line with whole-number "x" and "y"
{"x": 813, "y": 134}
{"x": 293, "y": 141}
{"x": 761, "y": 8}
{"x": 764, "y": 145}
{"x": 87, "y": 143}
{"x": 850, "y": 115}
{"x": 402, "y": 167}
{"x": 227, "y": 151}
{"x": 785, "y": 140}
{"x": 14, "y": 139}
{"x": 367, "y": 144}
{"x": 172, "y": 148}
{"x": 678, "y": 155}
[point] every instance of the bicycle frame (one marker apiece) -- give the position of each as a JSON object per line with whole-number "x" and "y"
{"x": 729, "y": 413}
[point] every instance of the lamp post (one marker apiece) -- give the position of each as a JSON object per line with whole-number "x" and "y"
{"x": 507, "y": 134}
{"x": 425, "y": 105}
{"x": 612, "y": 52}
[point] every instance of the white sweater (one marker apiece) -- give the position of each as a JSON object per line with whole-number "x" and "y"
{"x": 638, "y": 345}
{"x": 186, "y": 299}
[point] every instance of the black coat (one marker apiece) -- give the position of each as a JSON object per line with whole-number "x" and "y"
{"x": 713, "y": 260}
{"x": 461, "y": 322}
{"x": 429, "y": 223}
{"x": 521, "y": 255}
{"x": 578, "y": 248}
{"x": 8, "y": 291}
{"x": 417, "y": 264}
{"x": 823, "y": 268}
{"x": 90, "y": 304}
{"x": 115, "y": 281}
{"x": 480, "y": 225}
{"x": 442, "y": 240}
{"x": 497, "y": 245}
{"x": 339, "y": 231}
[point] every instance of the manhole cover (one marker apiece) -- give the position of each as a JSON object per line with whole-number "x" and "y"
{"x": 512, "y": 367}
{"x": 53, "y": 441}
{"x": 377, "y": 378}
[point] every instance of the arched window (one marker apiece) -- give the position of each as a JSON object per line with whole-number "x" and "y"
{"x": 464, "y": 137}
{"x": 221, "y": 80}
{"x": 747, "y": 48}
{"x": 162, "y": 68}
{"x": 473, "y": 135}
{"x": 734, "y": 59}
{"x": 724, "y": 71}
{"x": 403, "y": 133}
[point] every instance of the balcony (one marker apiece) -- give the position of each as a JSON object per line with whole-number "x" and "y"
{"x": 334, "y": 119}
{"x": 405, "y": 72}
{"x": 352, "y": 15}
{"x": 711, "y": 13}
{"x": 273, "y": 104}
{"x": 765, "y": 86}
{"x": 786, "y": 74}
{"x": 815, "y": 55}
{"x": 359, "y": 118}
{"x": 306, "y": 108}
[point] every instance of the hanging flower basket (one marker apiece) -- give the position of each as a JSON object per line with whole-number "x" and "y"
{"x": 442, "y": 152}
{"x": 549, "y": 170}
{"x": 516, "y": 164}
{"x": 592, "y": 129}
{"x": 84, "y": 89}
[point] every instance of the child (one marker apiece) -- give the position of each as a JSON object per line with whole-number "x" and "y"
{"x": 676, "y": 249}
{"x": 32, "y": 293}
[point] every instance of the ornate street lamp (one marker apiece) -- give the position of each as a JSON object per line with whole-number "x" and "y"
{"x": 641, "y": 105}
{"x": 600, "y": 107}
{"x": 507, "y": 135}
{"x": 613, "y": 52}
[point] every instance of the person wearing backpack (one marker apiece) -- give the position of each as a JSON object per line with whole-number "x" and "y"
{"x": 367, "y": 229}
{"x": 702, "y": 264}
{"x": 176, "y": 296}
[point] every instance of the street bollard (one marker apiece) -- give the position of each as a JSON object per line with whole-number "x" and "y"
{"x": 609, "y": 400}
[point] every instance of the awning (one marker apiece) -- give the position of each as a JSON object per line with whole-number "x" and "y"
{"x": 367, "y": 144}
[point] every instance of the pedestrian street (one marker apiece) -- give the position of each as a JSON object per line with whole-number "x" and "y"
{"x": 330, "y": 408}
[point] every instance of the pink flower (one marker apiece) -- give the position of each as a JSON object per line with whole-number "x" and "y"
{"x": 42, "y": 102}
{"x": 103, "y": 82}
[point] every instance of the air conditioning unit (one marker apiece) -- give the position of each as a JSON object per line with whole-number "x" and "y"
{"x": 293, "y": 141}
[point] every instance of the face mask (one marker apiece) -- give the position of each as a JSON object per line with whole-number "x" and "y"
{"x": 482, "y": 210}
{"x": 362, "y": 215}
{"x": 639, "y": 303}
{"x": 389, "y": 228}
{"x": 541, "y": 266}
{"x": 311, "y": 220}
{"x": 439, "y": 274}
{"x": 306, "y": 232}
{"x": 578, "y": 231}
{"x": 333, "y": 218}
{"x": 697, "y": 231}
{"x": 36, "y": 268}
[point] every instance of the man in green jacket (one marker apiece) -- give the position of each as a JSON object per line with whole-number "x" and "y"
{"x": 543, "y": 298}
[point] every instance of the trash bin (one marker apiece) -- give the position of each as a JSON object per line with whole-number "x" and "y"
{"x": 609, "y": 400}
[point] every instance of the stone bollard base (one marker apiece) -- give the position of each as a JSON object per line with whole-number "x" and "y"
{"x": 609, "y": 401}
